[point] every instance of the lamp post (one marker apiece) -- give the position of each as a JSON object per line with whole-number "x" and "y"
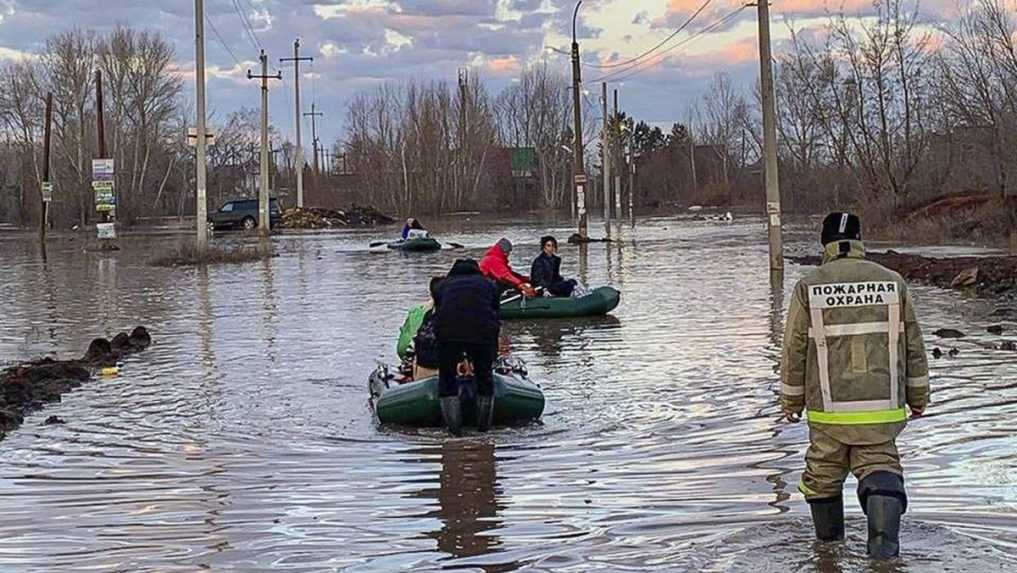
{"x": 579, "y": 177}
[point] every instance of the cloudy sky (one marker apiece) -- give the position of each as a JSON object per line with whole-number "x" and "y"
{"x": 359, "y": 44}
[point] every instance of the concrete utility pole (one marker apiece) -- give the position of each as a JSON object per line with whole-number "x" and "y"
{"x": 314, "y": 135}
{"x": 44, "y": 215}
{"x": 296, "y": 59}
{"x": 263, "y": 219}
{"x": 579, "y": 176}
{"x": 770, "y": 139}
{"x": 605, "y": 155}
{"x": 617, "y": 172}
{"x": 200, "y": 142}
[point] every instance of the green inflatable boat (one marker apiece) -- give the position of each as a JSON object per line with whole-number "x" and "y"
{"x": 516, "y": 399}
{"x": 600, "y": 301}
{"x": 416, "y": 245}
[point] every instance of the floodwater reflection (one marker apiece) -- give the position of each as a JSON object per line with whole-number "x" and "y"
{"x": 242, "y": 440}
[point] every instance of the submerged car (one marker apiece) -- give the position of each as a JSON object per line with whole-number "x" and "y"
{"x": 243, "y": 214}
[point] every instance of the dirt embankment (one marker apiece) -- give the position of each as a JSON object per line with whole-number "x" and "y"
{"x": 28, "y": 387}
{"x": 986, "y": 276}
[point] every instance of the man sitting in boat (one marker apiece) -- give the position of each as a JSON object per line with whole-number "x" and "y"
{"x": 495, "y": 266}
{"x": 413, "y": 229}
{"x": 417, "y": 342}
{"x": 546, "y": 270}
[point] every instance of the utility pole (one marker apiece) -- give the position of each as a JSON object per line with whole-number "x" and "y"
{"x": 263, "y": 219}
{"x": 605, "y": 155}
{"x": 314, "y": 135}
{"x": 770, "y": 139}
{"x": 296, "y": 59}
{"x": 200, "y": 141}
{"x": 632, "y": 178}
{"x": 47, "y": 186}
{"x": 100, "y": 134}
{"x": 617, "y": 172}
{"x": 579, "y": 176}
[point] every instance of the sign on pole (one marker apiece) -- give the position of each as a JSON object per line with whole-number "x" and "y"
{"x": 106, "y": 230}
{"x": 47, "y": 191}
{"x": 192, "y": 136}
{"x": 102, "y": 184}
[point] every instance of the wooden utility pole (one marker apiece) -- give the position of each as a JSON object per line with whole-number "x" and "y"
{"x": 296, "y": 59}
{"x": 264, "y": 223}
{"x": 632, "y": 178}
{"x": 605, "y": 157}
{"x": 201, "y": 200}
{"x": 615, "y": 153}
{"x": 314, "y": 134}
{"x": 770, "y": 139}
{"x": 579, "y": 174}
{"x": 47, "y": 186}
{"x": 105, "y": 217}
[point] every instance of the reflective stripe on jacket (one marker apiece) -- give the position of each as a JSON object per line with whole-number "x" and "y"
{"x": 853, "y": 353}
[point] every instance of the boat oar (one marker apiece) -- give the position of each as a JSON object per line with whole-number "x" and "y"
{"x": 452, "y": 245}
{"x": 377, "y": 244}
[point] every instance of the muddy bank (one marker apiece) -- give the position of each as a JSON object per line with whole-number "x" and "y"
{"x": 28, "y": 387}
{"x": 986, "y": 276}
{"x": 319, "y": 218}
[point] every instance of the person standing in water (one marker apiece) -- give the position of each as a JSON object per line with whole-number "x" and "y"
{"x": 466, "y": 324}
{"x": 853, "y": 357}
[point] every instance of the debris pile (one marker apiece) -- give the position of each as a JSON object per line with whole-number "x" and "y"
{"x": 320, "y": 218}
{"x": 984, "y": 275}
{"x": 27, "y": 387}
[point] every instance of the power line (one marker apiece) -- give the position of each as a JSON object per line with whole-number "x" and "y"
{"x": 247, "y": 25}
{"x": 640, "y": 67}
{"x": 215, "y": 30}
{"x": 655, "y": 48}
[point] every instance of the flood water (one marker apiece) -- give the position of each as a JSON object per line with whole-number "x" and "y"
{"x": 242, "y": 440}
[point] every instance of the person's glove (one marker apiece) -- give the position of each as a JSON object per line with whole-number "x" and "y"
{"x": 527, "y": 290}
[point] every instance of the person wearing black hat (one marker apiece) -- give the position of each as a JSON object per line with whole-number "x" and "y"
{"x": 466, "y": 324}
{"x": 546, "y": 270}
{"x": 854, "y": 361}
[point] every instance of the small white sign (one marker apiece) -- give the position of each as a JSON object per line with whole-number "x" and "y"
{"x": 102, "y": 170}
{"x": 106, "y": 230}
{"x": 47, "y": 191}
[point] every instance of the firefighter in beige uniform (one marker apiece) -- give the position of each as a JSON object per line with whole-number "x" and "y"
{"x": 853, "y": 357}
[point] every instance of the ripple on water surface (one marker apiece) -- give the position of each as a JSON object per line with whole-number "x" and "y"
{"x": 243, "y": 441}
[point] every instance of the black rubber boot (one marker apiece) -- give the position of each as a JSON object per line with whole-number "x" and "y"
{"x": 452, "y": 414}
{"x": 485, "y": 412}
{"x": 883, "y": 499}
{"x": 828, "y": 517}
{"x": 884, "y": 526}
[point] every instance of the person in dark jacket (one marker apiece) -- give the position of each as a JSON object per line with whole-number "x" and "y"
{"x": 546, "y": 270}
{"x": 466, "y": 323}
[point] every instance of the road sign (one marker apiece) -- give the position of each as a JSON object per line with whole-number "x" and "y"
{"x": 580, "y": 178}
{"x": 102, "y": 170}
{"x": 105, "y": 199}
{"x": 106, "y": 230}
{"x": 47, "y": 191}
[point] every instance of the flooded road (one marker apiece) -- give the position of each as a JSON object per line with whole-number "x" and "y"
{"x": 242, "y": 439}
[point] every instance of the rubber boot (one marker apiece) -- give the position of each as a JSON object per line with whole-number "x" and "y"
{"x": 828, "y": 518}
{"x": 884, "y": 526}
{"x": 452, "y": 414}
{"x": 485, "y": 412}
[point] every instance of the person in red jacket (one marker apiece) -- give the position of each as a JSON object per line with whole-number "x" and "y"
{"x": 495, "y": 266}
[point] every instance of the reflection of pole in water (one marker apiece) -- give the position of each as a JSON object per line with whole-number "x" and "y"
{"x": 468, "y": 503}
{"x": 107, "y": 282}
{"x": 205, "y": 330}
{"x": 776, "y": 307}
{"x": 270, "y": 308}
{"x": 584, "y": 263}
